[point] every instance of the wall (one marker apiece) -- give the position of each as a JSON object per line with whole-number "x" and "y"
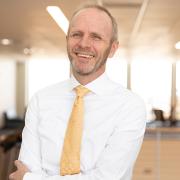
{"x": 7, "y": 85}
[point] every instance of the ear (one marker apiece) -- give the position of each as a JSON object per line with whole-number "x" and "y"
{"x": 114, "y": 47}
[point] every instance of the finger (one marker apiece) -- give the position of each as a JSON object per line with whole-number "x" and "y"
{"x": 11, "y": 176}
{"x": 18, "y": 163}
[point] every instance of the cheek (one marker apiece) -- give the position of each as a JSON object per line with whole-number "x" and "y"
{"x": 70, "y": 45}
{"x": 72, "y": 42}
{"x": 100, "y": 48}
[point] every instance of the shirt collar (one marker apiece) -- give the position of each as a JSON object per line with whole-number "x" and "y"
{"x": 101, "y": 85}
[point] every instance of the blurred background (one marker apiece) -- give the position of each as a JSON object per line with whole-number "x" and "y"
{"x": 33, "y": 56}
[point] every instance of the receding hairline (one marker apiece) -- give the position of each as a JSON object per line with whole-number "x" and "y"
{"x": 101, "y": 9}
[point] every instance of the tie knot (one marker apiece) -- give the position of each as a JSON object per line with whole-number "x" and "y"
{"x": 81, "y": 91}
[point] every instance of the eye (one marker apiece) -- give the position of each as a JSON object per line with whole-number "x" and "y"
{"x": 76, "y": 35}
{"x": 96, "y": 37}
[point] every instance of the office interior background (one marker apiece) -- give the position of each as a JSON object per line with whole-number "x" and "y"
{"x": 33, "y": 56}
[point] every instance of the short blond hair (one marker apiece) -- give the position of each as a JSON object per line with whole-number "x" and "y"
{"x": 103, "y": 9}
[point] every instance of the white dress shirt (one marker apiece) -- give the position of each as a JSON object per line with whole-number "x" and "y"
{"x": 114, "y": 125}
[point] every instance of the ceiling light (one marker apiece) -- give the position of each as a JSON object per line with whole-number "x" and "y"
{"x": 59, "y": 17}
{"x": 6, "y": 42}
{"x": 29, "y": 51}
{"x": 177, "y": 45}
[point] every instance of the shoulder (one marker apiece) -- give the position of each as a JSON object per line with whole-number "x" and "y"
{"x": 131, "y": 108}
{"x": 52, "y": 91}
{"x": 128, "y": 98}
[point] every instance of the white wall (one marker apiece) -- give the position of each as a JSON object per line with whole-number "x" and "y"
{"x": 42, "y": 73}
{"x": 7, "y": 85}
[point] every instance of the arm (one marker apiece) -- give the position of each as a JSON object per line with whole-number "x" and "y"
{"x": 30, "y": 153}
{"x": 118, "y": 157}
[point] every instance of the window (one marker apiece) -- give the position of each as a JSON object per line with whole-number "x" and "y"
{"x": 116, "y": 68}
{"x": 178, "y": 90}
{"x": 42, "y": 73}
{"x": 151, "y": 79}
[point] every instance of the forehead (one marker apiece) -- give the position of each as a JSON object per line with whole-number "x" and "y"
{"x": 93, "y": 20}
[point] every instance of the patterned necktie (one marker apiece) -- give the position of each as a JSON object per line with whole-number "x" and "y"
{"x": 70, "y": 157}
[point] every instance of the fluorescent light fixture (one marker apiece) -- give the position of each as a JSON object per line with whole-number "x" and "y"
{"x": 177, "y": 45}
{"x": 59, "y": 17}
{"x": 6, "y": 42}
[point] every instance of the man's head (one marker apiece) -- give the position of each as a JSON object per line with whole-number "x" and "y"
{"x": 91, "y": 39}
{"x": 100, "y": 8}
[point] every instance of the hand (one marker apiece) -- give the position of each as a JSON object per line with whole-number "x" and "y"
{"x": 20, "y": 172}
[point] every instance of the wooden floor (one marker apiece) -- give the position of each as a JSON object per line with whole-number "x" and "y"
{"x": 159, "y": 158}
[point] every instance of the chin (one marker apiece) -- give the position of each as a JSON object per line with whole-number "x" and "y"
{"x": 83, "y": 72}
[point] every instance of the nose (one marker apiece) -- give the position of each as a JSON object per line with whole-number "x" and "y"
{"x": 85, "y": 42}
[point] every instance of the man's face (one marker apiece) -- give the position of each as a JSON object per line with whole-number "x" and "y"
{"x": 89, "y": 42}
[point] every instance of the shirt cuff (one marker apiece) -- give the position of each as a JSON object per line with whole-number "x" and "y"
{"x": 32, "y": 176}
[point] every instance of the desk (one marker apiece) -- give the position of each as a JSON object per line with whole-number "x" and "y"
{"x": 7, "y": 132}
{"x": 9, "y": 150}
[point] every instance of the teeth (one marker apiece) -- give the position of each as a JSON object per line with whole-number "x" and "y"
{"x": 85, "y": 55}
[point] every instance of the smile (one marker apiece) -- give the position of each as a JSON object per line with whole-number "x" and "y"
{"x": 89, "y": 56}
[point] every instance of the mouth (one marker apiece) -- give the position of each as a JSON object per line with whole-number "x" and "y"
{"x": 84, "y": 55}
{"x": 87, "y": 56}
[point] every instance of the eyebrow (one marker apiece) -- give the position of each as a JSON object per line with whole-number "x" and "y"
{"x": 96, "y": 34}
{"x": 93, "y": 33}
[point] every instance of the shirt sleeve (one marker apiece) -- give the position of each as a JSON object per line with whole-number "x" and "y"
{"x": 119, "y": 155}
{"x": 30, "y": 153}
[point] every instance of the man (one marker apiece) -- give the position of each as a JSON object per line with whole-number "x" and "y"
{"x": 114, "y": 118}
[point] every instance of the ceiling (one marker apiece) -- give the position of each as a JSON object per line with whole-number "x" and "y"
{"x": 145, "y": 26}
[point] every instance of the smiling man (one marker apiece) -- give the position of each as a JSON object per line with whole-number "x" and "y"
{"x": 90, "y": 42}
{"x": 97, "y": 138}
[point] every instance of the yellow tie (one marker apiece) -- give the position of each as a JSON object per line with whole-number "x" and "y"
{"x": 70, "y": 157}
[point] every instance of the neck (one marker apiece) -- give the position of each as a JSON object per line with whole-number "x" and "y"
{"x": 85, "y": 79}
